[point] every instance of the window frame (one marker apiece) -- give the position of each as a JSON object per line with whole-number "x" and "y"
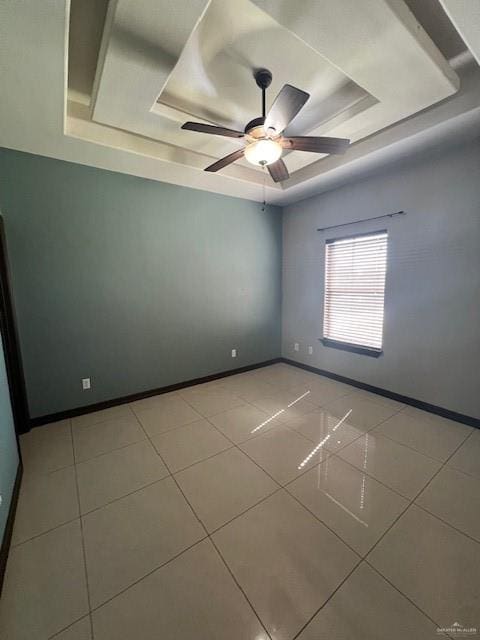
{"x": 339, "y": 344}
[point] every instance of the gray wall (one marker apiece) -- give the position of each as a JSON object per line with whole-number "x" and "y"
{"x": 134, "y": 283}
{"x": 432, "y": 304}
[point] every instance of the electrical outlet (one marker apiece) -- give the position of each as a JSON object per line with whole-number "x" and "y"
{"x": 86, "y": 384}
{"x": 296, "y": 346}
{"x": 310, "y": 351}
{"x": 234, "y": 353}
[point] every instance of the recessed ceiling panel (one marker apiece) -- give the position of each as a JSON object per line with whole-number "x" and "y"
{"x": 365, "y": 67}
{"x": 379, "y": 45}
{"x": 213, "y": 79}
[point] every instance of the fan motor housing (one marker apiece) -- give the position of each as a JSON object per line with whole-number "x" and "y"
{"x": 255, "y": 128}
{"x": 263, "y": 78}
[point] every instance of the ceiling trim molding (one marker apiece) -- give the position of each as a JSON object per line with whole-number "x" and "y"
{"x": 465, "y": 16}
{"x": 37, "y": 117}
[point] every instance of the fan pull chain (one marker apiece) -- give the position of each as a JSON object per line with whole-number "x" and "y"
{"x": 264, "y": 204}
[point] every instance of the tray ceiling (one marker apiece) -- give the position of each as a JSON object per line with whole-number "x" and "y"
{"x": 138, "y": 69}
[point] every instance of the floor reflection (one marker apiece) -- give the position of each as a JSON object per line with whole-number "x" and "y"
{"x": 331, "y": 487}
{"x": 322, "y": 442}
{"x": 342, "y": 506}
{"x": 365, "y": 459}
{"x": 280, "y": 411}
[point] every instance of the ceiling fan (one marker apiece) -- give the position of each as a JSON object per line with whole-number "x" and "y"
{"x": 263, "y": 137}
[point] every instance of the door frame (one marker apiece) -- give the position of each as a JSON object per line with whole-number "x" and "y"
{"x": 16, "y": 385}
{"x": 9, "y": 332}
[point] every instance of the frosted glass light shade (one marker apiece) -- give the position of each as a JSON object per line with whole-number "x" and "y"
{"x": 262, "y": 152}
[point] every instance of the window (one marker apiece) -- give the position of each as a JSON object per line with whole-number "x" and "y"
{"x": 355, "y": 271}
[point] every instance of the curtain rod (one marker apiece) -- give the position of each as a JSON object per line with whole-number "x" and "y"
{"x": 346, "y": 224}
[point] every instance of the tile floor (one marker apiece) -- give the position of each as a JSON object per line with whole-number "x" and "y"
{"x": 271, "y": 504}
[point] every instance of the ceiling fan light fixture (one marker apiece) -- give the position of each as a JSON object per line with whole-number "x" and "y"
{"x": 263, "y": 152}
{"x": 263, "y": 136}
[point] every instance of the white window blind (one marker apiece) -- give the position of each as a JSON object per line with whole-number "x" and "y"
{"x": 355, "y": 270}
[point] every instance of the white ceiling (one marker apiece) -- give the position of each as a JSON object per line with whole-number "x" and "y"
{"x": 111, "y": 84}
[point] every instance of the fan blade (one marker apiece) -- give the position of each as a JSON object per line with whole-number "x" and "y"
{"x": 285, "y": 107}
{"x": 278, "y": 171}
{"x": 210, "y": 128}
{"x": 316, "y": 144}
{"x": 223, "y": 162}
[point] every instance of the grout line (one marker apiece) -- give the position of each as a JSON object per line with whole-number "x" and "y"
{"x": 412, "y": 502}
{"x": 245, "y": 511}
{"x": 444, "y": 465}
{"x": 335, "y": 453}
{"x": 69, "y": 626}
{"x": 178, "y": 426}
{"x": 430, "y": 421}
{"x": 464, "y": 533}
{"x": 464, "y": 473}
{"x": 208, "y": 535}
{"x": 279, "y": 487}
{"x": 317, "y": 407}
{"x": 156, "y": 568}
{"x": 362, "y": 559}
{"x": 217, "y": 413}
{"x": 240, "y": 588}
{"x": 213, "y": 455}
{"x": 363, "y": 556}
{"x": 406, "y": 597}
{"x": 400, "y": 444}
{"x": 83, "y": 514}
{"x": 38, "y": 474}
{"x": 359, "y": 555}
{"x": 82, "y": 537}
{"x": 81, "y": 427}
{"x": 286, "y": 424}
{"x": 372, "y": 477}
{"x": 363, "y": 471}
{"x": 284, "y": 485}
{"x": 42, "y": 533}
{"x": 279, "y": 484}
{"x": 106, "y": 453}
{"x": 168, "y": 475}
{"x": 305, "y": 625}
{"x": 234, "y": 445}
{"x": 407, "y": 446}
